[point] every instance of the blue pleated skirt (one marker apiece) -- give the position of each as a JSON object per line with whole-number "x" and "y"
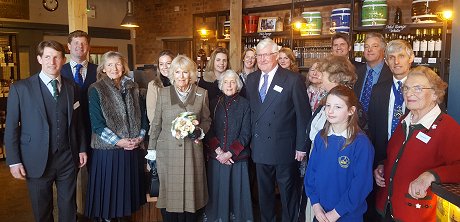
{"x": 115, "y": 183}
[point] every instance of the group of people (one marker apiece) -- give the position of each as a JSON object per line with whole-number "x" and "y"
{"x": 335, "y": 145}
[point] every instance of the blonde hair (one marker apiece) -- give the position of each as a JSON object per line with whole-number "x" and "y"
{"x": 293, "y": 67}
{"x": 184, "y": 63}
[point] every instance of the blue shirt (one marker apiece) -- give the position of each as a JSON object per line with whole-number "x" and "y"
{"x": 340, "y": 178}
{"x": 375, "y": 73}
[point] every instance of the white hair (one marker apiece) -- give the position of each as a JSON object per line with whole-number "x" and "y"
{"x": 230, "y": 74}
{"x": 267, "y": 42}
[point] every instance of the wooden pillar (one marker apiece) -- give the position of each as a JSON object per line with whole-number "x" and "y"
{"x": 453, "y": 103}
{"x": 78, "y": 20}
{"x": 77, "y": 15}
{"x": 236, "y": 18}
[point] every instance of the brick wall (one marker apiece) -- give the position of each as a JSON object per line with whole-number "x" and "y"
{"x": 158, "y": 19}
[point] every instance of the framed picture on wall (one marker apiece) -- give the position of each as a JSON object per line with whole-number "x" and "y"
{"x": 267, "y": 24}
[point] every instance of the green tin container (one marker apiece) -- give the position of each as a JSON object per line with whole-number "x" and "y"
{"x": 314, "y": 24}
{"x": 374, "y": 13}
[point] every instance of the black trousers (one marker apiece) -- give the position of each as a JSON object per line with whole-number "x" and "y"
{"x": 286, "y": 176}
{"x": 60, "y": 170}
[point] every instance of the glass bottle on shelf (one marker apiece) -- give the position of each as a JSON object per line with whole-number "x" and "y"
{"x": 2, "y": 56}
{"x": 416, "y": 43}
{"x": 9, "y": 55}
{"x": 438, "y": 44}
{"x": 424, "y": 44}
{"x": 431, "y": 44}
{"x": 398, "y": 16}
{"x": 356, "y": 46}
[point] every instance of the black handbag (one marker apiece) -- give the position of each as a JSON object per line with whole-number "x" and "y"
{"x": 154, "y": 180}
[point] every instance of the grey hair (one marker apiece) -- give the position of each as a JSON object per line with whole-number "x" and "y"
{"x": 397, "y": 46}
{"x": 267, "y": 42}
{"x": 230, "y": 74}
{"x": 383, "y": 42}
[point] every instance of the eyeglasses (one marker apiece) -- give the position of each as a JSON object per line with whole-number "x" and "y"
{"x": 416, "y": 89}
{"x": 265, "y": 55}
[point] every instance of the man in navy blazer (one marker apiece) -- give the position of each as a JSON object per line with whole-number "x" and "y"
{"x": 279, "y": 117}
{"x": 44, "y": 135}
{"x": 78, "y": 43}
{"x": 374, "y": 53}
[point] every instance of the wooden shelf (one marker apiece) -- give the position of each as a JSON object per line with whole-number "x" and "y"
{"x": 410, "y": 25}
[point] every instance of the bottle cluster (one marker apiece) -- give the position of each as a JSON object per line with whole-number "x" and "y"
{"x": 426, "y": 44}
{"x": 6, "y": 56}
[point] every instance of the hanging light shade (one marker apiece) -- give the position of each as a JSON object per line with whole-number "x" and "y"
{"x": 298, "y": 22}
{"x": 129, "y": 21}
{"x": 204, "y": 31}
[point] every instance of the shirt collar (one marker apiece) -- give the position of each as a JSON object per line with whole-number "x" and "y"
{"x": 271, "y": 73}
{"x": 46, "y": 79}
{"x": 395, "y": 81}
{"x": 377, "y": 69}
{"x": 343, "y": 134}
{"x": 426, "y": 120}
{"x": 73, "y": 63}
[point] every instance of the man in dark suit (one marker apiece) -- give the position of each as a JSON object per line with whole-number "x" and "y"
{"x": 374, "y": 72}
{"x": 279, "y": 117}
{"x": 387, "y": 104}
{"x": 80, "y": 70}
{"x": 44, "y": 135}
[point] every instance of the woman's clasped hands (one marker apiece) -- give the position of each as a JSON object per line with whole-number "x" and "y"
{"x": 129, "y": 143}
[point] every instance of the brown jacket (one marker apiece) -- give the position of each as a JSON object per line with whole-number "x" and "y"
{"x": 180, "y": 163}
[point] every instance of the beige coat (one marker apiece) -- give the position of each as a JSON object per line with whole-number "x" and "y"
{"x": 180, "y": 163}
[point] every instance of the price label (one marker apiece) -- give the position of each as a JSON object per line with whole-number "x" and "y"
{"x": 11, "y": 64}
{"x": 358, "y": 59}
{"x": 431, "y": 60}
{"x": 418, "y": 60}
{"x": 3, "y": 64}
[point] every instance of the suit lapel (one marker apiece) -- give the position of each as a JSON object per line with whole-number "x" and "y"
{"x": 272, "y": 95}
{"x": 67, "y": 88}
{"x": 359, "y": 82}
{"x": 66, "y": 71}
{"x": 37, "y": 95}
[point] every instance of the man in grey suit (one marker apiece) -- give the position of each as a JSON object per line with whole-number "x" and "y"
{"x": 279, "y": 117}
{"x": 44, "y": 135}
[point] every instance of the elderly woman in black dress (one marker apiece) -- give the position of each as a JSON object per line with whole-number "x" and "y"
{"x": 228, "y": 179}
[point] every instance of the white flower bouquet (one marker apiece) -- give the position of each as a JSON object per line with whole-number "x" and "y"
{"x": 186, "y": 125}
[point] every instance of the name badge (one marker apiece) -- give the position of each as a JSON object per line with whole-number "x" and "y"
{"x": 278, "y": 88}
{"x": 423, "y": 137}
{"x": 76, "y": 105}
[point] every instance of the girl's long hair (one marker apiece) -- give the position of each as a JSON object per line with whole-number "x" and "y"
{"x": 347, "y": 95}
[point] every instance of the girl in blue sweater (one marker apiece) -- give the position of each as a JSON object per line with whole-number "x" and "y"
{"x": 339, "y": 172}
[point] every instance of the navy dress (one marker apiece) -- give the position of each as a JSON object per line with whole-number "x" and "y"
{"x": 116, "y": 185}
{"x": 228, "y": 185}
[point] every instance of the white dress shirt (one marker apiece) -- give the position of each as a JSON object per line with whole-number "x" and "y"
{"x": 271, "y": 74}
{"x": 83, "y": 69}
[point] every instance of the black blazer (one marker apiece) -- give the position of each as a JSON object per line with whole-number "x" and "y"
{"x": 378, "y": 119}
{"x": 279, "y": 124}
{"x": 27, "y": 129}
{"x": 91, "y": 74}
{"x": 385, "y": 75}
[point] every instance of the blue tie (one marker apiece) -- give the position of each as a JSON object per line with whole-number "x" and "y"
{"x": 398, "y": 106}
{"x": 77, "y": 77}
{"x": 367, "y": 90}
{"x": 263, "y": 89}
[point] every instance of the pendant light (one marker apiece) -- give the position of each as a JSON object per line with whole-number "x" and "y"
{"x": 297, "y": 22}
{"x": 203, "y": 30}
{"x": 129, "y": 21}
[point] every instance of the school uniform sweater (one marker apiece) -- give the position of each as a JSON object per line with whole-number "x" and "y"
{"x": 340, "y": 178}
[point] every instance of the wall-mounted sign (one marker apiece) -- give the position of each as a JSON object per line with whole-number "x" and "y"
{"x": 14, "y": 9}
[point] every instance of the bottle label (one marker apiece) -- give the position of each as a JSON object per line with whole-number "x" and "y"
{"x": 416, "y": 46}
{"x": 361, "y": 47}
{"x": 438, "y": 45}
{"x": 423, "y": 45}
{"x": 356, "y": 47}
{"x": 431, "y": 45}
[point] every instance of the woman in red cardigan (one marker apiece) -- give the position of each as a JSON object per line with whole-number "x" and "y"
{"x": 423, "y": 149}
